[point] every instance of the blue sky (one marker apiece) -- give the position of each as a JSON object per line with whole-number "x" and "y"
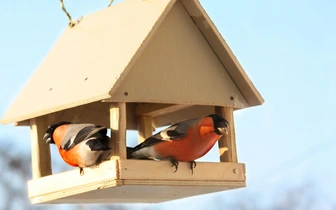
{"x": 286, "y": 47}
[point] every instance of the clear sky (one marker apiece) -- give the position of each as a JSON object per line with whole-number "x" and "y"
{"x": 286, "y": 47}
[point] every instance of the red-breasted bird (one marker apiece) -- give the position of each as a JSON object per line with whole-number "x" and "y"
{"x": 185, "y": 141}
{"x": 80, "y": 145}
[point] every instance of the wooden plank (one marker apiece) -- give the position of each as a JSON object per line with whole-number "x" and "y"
{"x": 180, "y": 115}
{"x": 162, "y": 170}
{"x": 71, "y": 182}
{"x": 150, "y": 191}
{"x": 118, "y": 128}
{"x": 40, "y": 150}
{"x": 22, "y": 123}
{"x": 131, "y": 119}
{"x": 154, "y": 109}
{"x": 139, "y": 181}
{"x": 145, "y": 127}
{"x": 228, "y": 142}
{"x": 223, "y": 184}
{"x": 96, "y": 113}
{"x": 223, "y": 51}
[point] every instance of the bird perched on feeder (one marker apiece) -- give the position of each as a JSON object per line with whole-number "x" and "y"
{"x": 80, "y": 145}
{"x": 185, "y": 141}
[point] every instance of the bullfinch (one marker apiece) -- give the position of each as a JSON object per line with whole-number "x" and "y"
{"x": 80, "y": 145}
{"x": 185, "y": 141}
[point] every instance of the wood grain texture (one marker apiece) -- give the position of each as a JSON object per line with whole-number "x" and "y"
{"x": 40, "y": 150}
{"x": 228, "y": 142}
{"x": 145, "y": 127}
{"x": 118, "y": 128}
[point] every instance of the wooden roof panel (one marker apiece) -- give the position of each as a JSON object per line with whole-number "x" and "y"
{"x": 88, "y": 59}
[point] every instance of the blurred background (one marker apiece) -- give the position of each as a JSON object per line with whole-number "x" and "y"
{"x": 288, "y": 144}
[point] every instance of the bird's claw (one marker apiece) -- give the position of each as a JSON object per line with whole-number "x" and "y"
{"x": 174, "y": 163}
{"x": 192, "y": 166}
{"x": 81, "y": 171}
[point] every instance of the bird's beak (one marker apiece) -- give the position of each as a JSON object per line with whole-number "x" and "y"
{"x": 47, "y": 138}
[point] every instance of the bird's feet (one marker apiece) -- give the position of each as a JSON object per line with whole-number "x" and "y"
{"x": 192, "y": 166}
{"x": 174, "y": 162}
{"x": 81, "y": 171}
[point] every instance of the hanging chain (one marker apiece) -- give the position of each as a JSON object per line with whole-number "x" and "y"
{"x": 71, "y": 22}
{"x": 111, "y": 1}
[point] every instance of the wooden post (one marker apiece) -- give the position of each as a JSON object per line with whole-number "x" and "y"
{"x": 40, "y": 150}
{"x": 145, "y": 128}
{"x": 118, "y": 128}
{"x": 227, "y": 142}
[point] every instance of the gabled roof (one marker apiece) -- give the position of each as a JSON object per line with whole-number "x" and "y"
{"x": 103, "y": 57}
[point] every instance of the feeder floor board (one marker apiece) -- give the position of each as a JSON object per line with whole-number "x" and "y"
{"x": 136, "y": 181}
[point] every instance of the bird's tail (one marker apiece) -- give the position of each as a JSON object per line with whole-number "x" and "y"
{"x": 129, "y": 151}
{"x": 98, "y": 143}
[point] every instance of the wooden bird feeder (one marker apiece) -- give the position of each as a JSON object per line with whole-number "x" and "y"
{"x": 136, "y": 65}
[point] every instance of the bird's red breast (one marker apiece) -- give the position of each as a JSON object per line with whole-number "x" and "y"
{"x": 199, "y": 139}
{"x": 69, "y": 156}
{"x": 59, "y": 134}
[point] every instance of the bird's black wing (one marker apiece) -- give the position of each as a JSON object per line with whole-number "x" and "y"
{"x": 79, "y": 132}
{"x": 174, "y": 132}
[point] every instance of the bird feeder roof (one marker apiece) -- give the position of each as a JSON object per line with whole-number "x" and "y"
{"x": 161, "y": 51}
